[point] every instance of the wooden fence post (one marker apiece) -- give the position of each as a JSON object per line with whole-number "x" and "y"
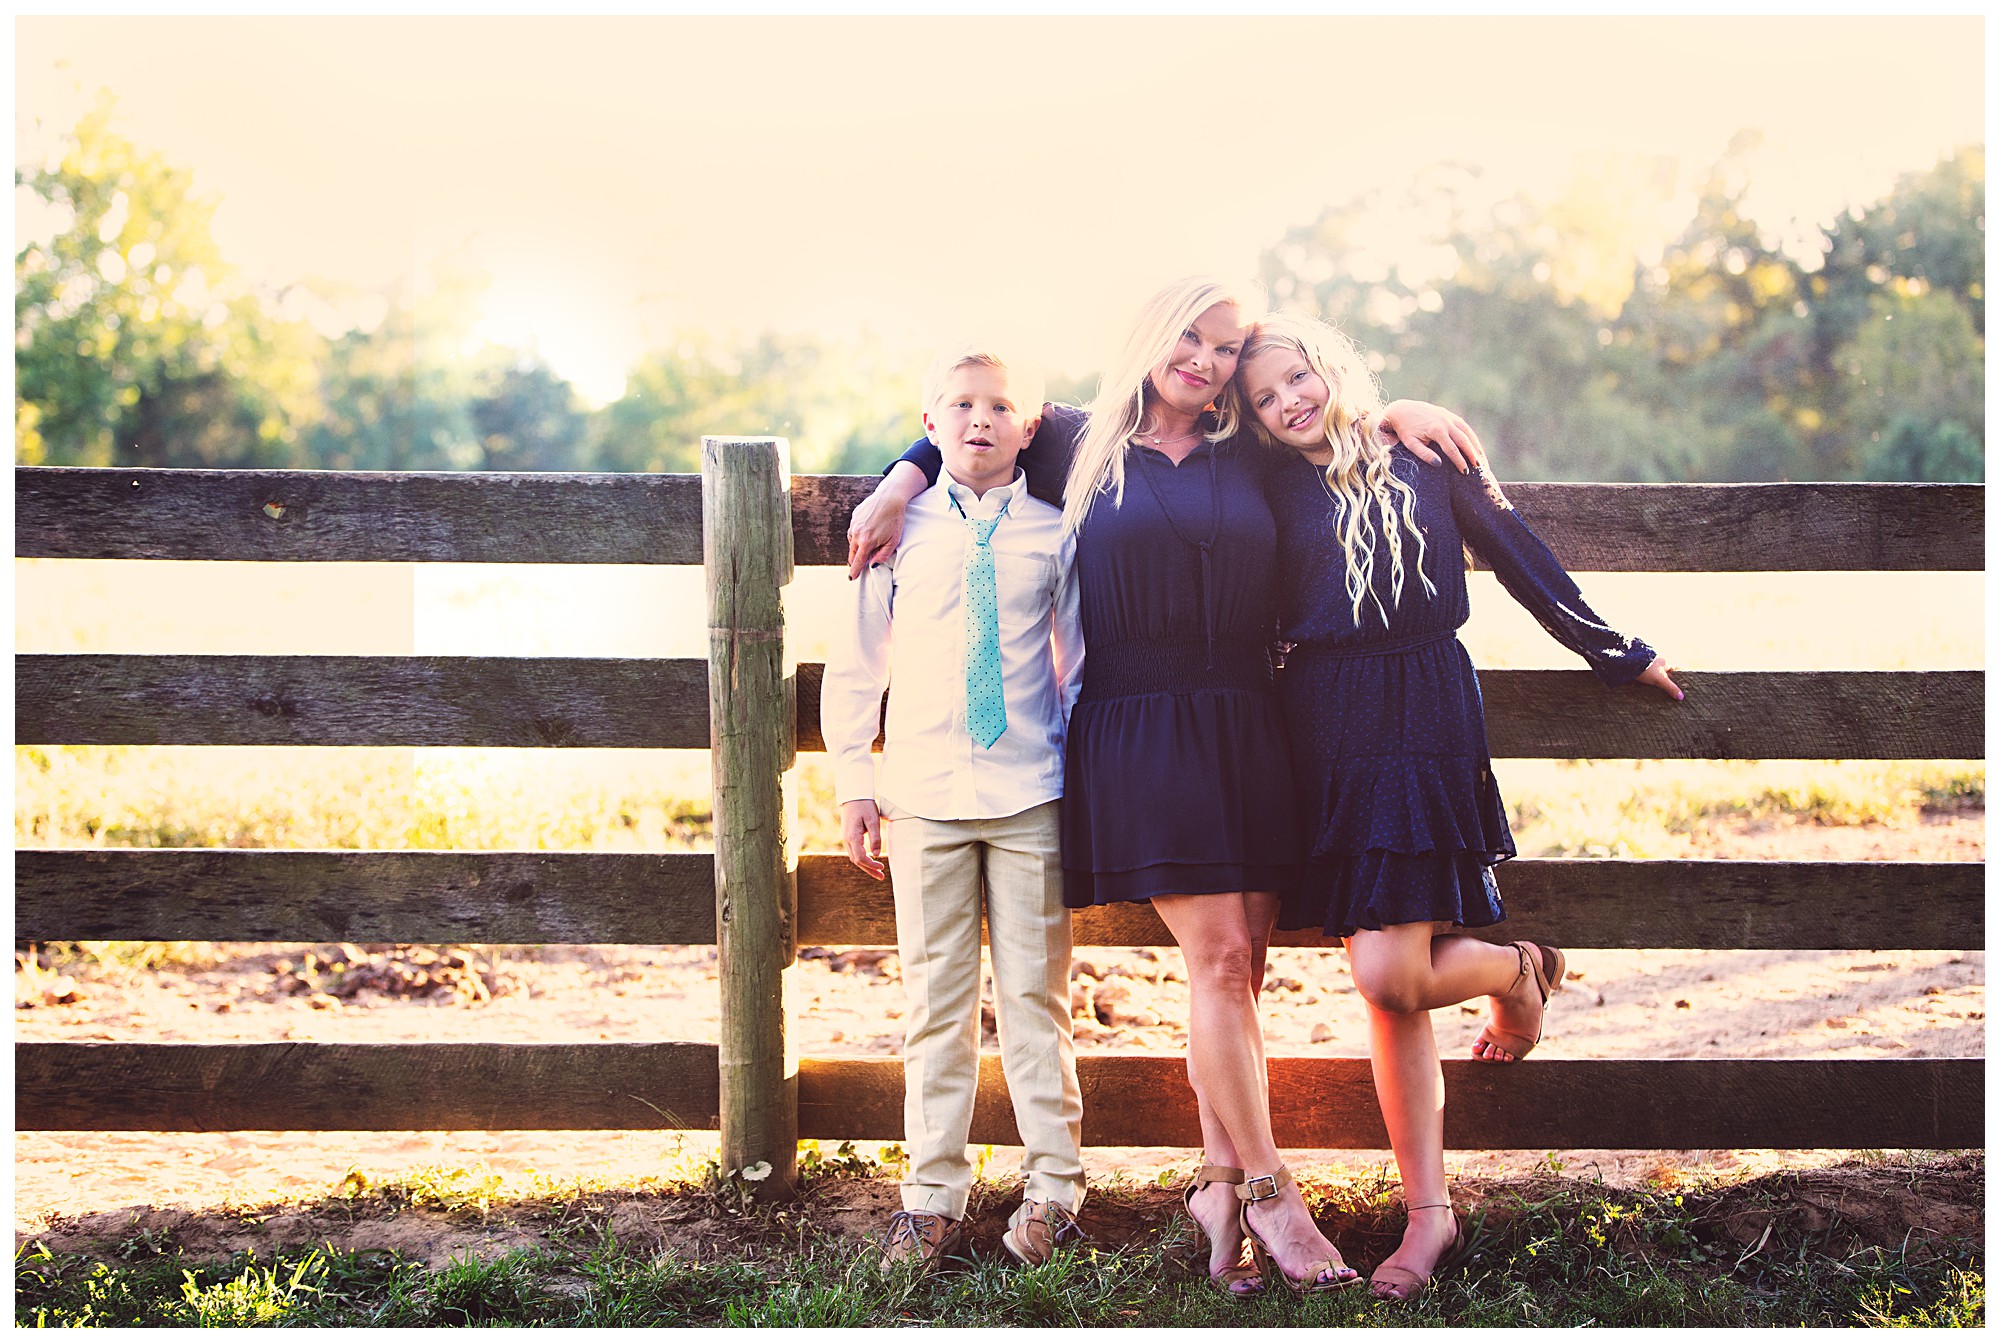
{"x": 746, "y": 512}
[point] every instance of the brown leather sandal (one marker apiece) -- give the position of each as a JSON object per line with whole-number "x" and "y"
{"x": 1262, "y": 1189}
{"x": 1390, "y": 1283}
{"x": 1547, "y": 965}
{"x": 1240, "y": 1280}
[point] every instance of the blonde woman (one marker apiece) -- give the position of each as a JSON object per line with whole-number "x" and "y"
{"x": 1402, "y": 820}
{"x": 1177, "y": 787}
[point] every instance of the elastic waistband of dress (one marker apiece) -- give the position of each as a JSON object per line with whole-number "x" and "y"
{"x": 1374, "y": 648}
{"x": 1173, "y": 666}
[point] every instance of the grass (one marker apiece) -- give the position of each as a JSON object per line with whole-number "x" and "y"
{"x": 359, "y": 798}
{"x": 656, "y": 801}
{"x": 1551, "y": 1253}
{"x": 1668, "y": 808}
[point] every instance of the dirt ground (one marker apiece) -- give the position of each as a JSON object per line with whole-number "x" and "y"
{"x": 230, "y": 1190}
{"x": 1908, "y": 1205}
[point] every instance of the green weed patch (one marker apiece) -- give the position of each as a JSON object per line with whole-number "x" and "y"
{"x": 1873, "y": 1243}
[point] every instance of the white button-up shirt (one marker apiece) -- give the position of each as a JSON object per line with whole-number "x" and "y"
{"x": 931, "y": 767}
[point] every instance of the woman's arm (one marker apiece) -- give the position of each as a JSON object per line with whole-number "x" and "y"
{"x": 1535, "y": 578}
{"x": 876, "y": 528}
{"x": 1416, "y": 423}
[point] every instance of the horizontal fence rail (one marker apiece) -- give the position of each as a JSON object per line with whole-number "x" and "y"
{"x": 1129, "y": 1100}
{"x": 645, "y": 899}
{"x": 578, "y": 518}
{"x": 236, "y": 895}
{"x": 94, "y": 699}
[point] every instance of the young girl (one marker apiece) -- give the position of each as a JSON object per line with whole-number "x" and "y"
{"x": 1402, "y": 820}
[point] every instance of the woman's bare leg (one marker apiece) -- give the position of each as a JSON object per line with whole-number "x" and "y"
{"x": 1217, "y": 1206}
{"x": 1226, "y": 1052}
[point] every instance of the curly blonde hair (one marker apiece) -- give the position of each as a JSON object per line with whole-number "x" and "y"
{"x": 1358, "y": 479}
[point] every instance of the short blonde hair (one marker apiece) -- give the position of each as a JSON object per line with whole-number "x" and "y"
{"x": 1024, "y": 380}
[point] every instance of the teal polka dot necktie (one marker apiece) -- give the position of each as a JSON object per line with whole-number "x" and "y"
{"x": 985, "y": 699}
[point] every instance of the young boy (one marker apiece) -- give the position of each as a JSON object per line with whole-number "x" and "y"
{"x": 987, "y": 660}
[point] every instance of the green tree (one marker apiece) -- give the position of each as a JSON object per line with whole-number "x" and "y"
{"x": 1913, "y": 450}
{"x": 526, "y": 418}
{"x": 1898, "y": 324}
{"x": 834, "y": 403}
{"x": 134, "y": 343}
{"x": 1726, "y": 360}
{"x": 1916, "y": 386}
{"x": 398, "y": 395}
{"x": 1928, "y": 234}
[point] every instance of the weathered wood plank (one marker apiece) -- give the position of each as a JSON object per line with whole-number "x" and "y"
{"x": 275, "y": 895}
{"x": 216, "y": 1088}
{"x": 746, "y": 520}
{"x": 101, "y": 699}
{"x": 1129, "y": 1100}
{"x": 1572, "y": 902}
{"x": 586, "y": 518}
{"x": 1143, "y": 1100}
{"x": 469, "y": 517}
{"x": 112, "y": 700}
{"x": 1772, "y": 715}
{"x": 1757, "y": 527}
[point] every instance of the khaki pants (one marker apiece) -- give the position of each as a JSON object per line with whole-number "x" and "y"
{"x": 939, "y": 870}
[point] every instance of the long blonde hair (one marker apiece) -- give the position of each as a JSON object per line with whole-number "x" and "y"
{"x": 1119, "y": 407}
{"x": 1359, "y": 478}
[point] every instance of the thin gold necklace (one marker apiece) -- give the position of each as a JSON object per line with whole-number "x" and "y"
{"x": 1156, "y": 440}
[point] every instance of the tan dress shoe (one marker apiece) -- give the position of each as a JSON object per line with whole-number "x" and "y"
{"x": 1038, "y": 1229}
{"x": 922, "y": 1237}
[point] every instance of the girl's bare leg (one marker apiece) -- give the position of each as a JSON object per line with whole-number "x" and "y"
{"x": 1409, "y": 1085}
{"x": 1452, "y": 968}
{"x": 1226, "y": 1052}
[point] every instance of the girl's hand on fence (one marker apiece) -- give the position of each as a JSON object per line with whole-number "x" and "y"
{"x": 861, "y": 831}
{"x": 874, "y": 532}
{"x": 876, "y": 528}
{"x": 1417, "y": 423}
{"x": 1656, "y": 675}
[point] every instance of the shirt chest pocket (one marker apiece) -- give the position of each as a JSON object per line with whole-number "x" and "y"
{"x": 1025, "y": 587}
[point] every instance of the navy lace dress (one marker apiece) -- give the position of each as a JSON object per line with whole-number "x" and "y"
{"x": 1402, "y": 819}
{"x": 1177, "y": 780}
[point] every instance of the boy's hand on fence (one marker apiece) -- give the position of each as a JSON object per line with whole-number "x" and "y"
{"x": 1656, "y": 676}
{"x": 861, "y": 831}
{"x": 1417, "y": 423}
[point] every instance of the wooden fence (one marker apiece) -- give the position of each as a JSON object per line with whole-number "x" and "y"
{"x": 747, "y": 520}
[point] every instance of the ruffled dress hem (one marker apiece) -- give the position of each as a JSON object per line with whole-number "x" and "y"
{"x": 1378, "y": 889}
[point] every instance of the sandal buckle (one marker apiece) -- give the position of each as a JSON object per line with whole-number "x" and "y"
{"x": 1260, "y": 1187}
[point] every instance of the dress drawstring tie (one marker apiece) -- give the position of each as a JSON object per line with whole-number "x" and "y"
{"x": 1205, "y": 547}
{"x": 1208, "y": 601}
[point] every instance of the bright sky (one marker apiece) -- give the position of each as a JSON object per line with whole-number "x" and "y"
{"x": 926, "y": 179}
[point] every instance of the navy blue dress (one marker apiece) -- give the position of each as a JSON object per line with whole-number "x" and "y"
{"x": 1177, "y": 780}
{"x": 1402, "y": 819}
